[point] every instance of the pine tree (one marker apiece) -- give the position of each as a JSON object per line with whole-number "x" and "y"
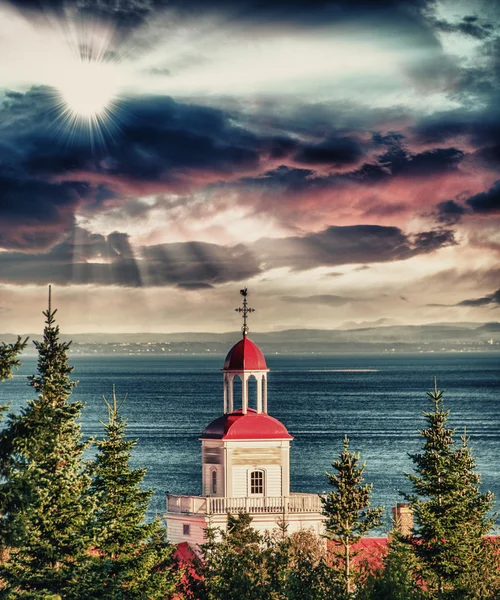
{"x": 9, "y": 361}
{"x": 347, "y": 512}
{"x": 451, "y": 514}
{"x": 44, "y": 496}
{"x": 9, "y": 357}
{"x": 397, "y": 578}
{"x": 131, "y": 557}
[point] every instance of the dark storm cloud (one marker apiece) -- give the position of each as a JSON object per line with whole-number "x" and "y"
{"x": 33, "y": 213}
{"x": 450, "y": 211}
{"x": 480, "y": 127}
{"x": 486, "y": 202}
{"x": 397, "y": 162}
{"x": 157, "y": 137}
{"x": 332, "y": 151}
{"x": 430, "y": 162}
{"x": 493, "y": 298}
{"x": 470, "y": 25}
{"x": 82, "y": 259}
{"x": 347, "y": 245}
{"x": 196, "y": 264}
{"x": 85, "y": 258}
{"x": 407, "y": 15}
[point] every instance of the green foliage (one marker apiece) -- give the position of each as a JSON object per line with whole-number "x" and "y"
{"x": 450, "y": 512}
{"x": 234, "y": 567}
{"x": 347, "y": 512}
{"x": 8, "y": 357}
{"x": 131, "y": 557}
{"x": 241, "y": 563}
{"x": 44, "y": 495}
{"x": 305, "y": 572}
{"x": 9, "y": 362}
{"x": 397, "y": 578}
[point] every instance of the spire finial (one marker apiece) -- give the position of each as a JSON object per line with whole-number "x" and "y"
{"x": 50, "y": 299}
{"x": 245, "y": 310}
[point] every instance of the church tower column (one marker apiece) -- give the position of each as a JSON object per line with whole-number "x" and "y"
{"x": 259, "y": 394}
{"x": 244, "y": 393}
{"x": 231, "y": 394}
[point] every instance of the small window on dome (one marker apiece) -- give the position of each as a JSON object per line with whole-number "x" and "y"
{"x": 257, "y": 482}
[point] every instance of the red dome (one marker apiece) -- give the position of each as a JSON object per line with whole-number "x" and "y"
{"x": 245, "y": 356}
{"x": 249, "y": 426}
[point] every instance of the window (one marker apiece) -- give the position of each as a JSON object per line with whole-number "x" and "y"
{"x": 186, "y": 529}
{"x": 256, "y": 482}
{"x": 214, "y": 482}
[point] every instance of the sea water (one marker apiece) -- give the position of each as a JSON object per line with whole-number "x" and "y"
{"x": 377, "y": 400}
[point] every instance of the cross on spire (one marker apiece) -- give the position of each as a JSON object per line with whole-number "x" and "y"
{"x": 245, "y": 310}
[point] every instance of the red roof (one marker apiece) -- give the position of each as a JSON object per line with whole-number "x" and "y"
{"x": 245, "y": 356}
{"x": 369, "y": 550}
{"x": 249, "y": 426}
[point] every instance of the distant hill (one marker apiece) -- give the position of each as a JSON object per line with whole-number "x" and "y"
{"x": 432, "y": 337}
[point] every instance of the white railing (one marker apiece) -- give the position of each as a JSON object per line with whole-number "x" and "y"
{"x": 296, "y": 503}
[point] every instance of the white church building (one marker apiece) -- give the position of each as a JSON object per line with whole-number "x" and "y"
{"x": 245, "y": 458}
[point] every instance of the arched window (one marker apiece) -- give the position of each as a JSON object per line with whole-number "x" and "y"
{"x": 257, "y": 482}
{"x": 213, "y": 482}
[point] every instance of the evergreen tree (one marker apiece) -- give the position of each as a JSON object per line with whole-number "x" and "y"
{"x": 397, "y": 578}
{"x": 9, "y": 361}
{"x": 44, "y": 498}
{"x": 8, "y": 357}
{"x": 347, "y": 512}
{"x": 131, "y": 558}
{"x": 451, "y": 514}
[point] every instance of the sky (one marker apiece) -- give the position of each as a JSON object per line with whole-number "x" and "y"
{"x": 340, "y": 158}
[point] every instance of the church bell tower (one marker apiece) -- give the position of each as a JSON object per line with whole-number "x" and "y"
{"x": 245, "y": 457}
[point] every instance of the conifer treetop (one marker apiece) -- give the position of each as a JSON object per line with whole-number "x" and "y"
{"x": 347, "y": 506}
{"x": 53, "y": 381}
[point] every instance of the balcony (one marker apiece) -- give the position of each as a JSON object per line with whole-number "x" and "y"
{"x": 295, "y": 503}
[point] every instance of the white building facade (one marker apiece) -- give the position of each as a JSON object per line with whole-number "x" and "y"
{"x": 245, "y": 459}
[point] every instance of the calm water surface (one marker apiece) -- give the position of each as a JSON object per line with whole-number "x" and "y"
{"x": 376, "y": 400}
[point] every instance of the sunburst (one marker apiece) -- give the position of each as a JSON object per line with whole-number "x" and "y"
{"x": 87, "y": 88}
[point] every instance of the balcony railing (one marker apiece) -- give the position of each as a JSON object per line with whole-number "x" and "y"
{"x": 295, "y": 503}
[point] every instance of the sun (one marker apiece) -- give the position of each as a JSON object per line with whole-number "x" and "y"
{"x": 86, "y": 84}
{"x": 89, "y": 90}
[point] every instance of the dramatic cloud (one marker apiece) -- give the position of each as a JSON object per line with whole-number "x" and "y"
{"x": 484, "y": 301}
{"x": 130, "y": 13}
{"x": 348, "y": 245}
{"x": 332, "y": 151}
{"x": 86, "y": 258}
{"x": 486, "y": 202}
{"x": 450, "y": 211}
{"x": 34, "y": 213}
{"x": 322, "y": 151}
{"x": 469, "y": 25}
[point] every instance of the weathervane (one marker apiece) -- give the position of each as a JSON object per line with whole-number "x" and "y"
{"x": 244, "y": 310}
